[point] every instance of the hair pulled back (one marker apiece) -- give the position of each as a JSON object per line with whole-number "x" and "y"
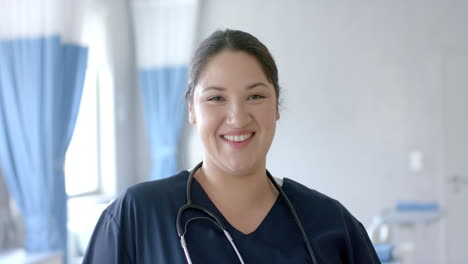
{"x": 234, "y": 40}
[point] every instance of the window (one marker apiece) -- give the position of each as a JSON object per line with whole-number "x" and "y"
{"x": 82, "y": 173}
{"x": 90, "y": 160}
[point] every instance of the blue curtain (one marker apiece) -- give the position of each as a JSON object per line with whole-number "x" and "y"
{"x": 41, "y": 81}
{"x": 164, "y": 109}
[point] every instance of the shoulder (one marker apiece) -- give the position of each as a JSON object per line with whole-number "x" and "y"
{"x": 162, "y": 188}
{"x": 141, "y": 213}
{"x": 329, "y": 225}
{"x": 323, "y": 213}
{"x": 306, "y": 198}
{"x": 317, "y": 203}
{"x": 158, "y": 195}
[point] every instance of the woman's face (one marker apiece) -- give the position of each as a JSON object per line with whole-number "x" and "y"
{"x": 234, "y": 109}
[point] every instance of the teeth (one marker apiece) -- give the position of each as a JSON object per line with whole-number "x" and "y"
{"x": 238, "y": 138}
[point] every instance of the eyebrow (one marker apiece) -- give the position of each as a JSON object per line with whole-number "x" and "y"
{"x": 249, "y": 87}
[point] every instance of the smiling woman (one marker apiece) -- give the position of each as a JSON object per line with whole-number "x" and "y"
{"x": 234, "y": 100}
{"x": 233, "y": 96}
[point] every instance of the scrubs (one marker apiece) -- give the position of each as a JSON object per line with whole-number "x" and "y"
{"x": 140, "y": 227}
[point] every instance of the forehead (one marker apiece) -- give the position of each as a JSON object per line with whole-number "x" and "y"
{"x": 232, "y": 68}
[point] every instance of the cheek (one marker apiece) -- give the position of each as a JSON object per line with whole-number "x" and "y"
{"x": 270, "y": 126}
{"x": 268, "y": 116}
{"x": 208, "y": 120}
{"x": 267, "y": 121}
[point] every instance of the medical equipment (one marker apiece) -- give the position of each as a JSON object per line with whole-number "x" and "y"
{"x": 406, "y": 214}
{"x": 182, "y": 229}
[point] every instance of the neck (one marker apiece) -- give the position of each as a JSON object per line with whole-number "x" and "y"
{"x": 236, "y": 190}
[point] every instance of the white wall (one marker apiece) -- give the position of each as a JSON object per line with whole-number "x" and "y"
{"x": 362, "y": 87}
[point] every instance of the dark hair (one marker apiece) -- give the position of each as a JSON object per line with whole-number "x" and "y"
{"x": 237, "y": 41}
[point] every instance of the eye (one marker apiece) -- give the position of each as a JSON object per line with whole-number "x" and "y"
{"x": 256, "y": 97}
{"x": 215, "y": 98}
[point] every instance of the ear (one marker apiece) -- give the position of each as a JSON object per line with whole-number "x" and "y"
{"x": 277, "y": 115}
{"x": 191, "y": 114}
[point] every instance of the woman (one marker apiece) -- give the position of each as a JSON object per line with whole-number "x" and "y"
{"x": 233, "y": 96}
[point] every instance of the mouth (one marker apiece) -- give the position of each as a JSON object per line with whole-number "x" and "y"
{"x": 238, "y": 140}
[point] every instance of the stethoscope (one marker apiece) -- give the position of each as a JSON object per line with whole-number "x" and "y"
{"x": 182, "y": 229}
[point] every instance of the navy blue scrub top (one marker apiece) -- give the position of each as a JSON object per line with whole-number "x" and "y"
{"x": 140, "y": 227}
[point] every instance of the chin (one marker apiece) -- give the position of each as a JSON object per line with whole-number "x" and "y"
{"x": 241, "y": 167}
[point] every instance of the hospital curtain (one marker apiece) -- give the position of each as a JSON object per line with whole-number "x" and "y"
{"x": 41, "y": 78}
{"x": 164, "y": 34}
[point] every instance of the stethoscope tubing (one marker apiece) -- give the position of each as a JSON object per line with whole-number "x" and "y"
{"x": 181, "y": 229}
{"x": 296, "y": 218}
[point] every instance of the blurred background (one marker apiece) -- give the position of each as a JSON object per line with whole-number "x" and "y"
{"x": 374, "y": 113}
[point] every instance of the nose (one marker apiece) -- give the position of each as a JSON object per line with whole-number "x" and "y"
{"x": 239, "y": 115}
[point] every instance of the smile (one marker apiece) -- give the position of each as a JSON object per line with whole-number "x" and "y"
{"x": 239, "y": 138}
